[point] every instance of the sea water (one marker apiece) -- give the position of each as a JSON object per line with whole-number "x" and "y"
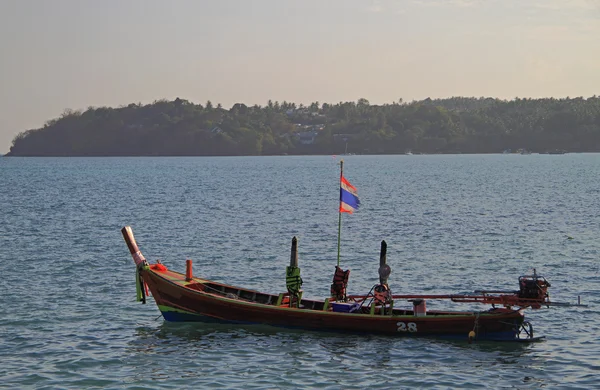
{"x": 453, "y": 224}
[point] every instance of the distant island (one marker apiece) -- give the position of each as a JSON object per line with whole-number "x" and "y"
{"x": 453, "y": 125}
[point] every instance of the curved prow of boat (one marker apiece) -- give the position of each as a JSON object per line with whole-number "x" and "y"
{"x": 135, "y": 252}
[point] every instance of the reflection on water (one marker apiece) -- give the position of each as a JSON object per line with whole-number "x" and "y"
{"x": 168, "y": 337}
{"x": 222, "y": 347}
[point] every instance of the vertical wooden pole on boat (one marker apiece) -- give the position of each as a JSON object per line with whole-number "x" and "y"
{"x": 340, "y": 212}
{"x": 188, "y": 270}
{"x": 293, "y": 282}
{"x": 294, "y": 253}
{"x": 384, "y": 270}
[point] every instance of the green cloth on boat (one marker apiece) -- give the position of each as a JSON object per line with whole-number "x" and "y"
{"x": 293, "y": 281}
{"x": 138, "y": 286}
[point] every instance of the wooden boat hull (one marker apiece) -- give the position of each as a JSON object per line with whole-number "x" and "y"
{"x": 201, "y": 300}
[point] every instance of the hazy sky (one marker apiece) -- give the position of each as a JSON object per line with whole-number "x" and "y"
{"x": 57, "y": 54}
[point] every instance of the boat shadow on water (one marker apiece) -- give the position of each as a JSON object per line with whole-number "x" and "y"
{"x": 220, "y": 346}
{"x": 211, "y": 336}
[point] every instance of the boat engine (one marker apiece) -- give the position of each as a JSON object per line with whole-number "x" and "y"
{"x": 533, "y": 287}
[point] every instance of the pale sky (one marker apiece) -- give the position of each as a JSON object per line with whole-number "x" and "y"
{"x": 58, "y": 54}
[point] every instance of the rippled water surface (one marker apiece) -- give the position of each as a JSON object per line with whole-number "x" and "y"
{"x": 68, "y": 316}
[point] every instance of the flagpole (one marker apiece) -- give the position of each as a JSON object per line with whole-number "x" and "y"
{"x": 340, "y": 212}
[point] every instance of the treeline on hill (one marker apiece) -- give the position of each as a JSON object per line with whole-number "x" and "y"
{"x": 454, "y": 125}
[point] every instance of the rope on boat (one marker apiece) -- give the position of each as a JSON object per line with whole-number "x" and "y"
{"x": 369, "y": 295}
{"x": 473, "y": 333}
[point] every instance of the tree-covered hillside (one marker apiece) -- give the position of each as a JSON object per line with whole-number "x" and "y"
{"x": 454, "y": 125}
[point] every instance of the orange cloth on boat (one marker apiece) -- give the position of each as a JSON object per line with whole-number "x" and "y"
{"x": 158, "y": 267}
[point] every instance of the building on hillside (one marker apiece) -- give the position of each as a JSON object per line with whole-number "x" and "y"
{"x": 307, "y": 137}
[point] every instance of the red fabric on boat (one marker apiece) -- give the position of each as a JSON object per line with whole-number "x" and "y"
{"x": 158, "y": 267}
{"x": 340, "y": 282}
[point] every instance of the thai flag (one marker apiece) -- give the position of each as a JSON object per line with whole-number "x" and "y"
{"x": 349, "y": 201}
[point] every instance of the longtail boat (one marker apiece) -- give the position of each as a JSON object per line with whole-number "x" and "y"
{"x": 185, "y": 297}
